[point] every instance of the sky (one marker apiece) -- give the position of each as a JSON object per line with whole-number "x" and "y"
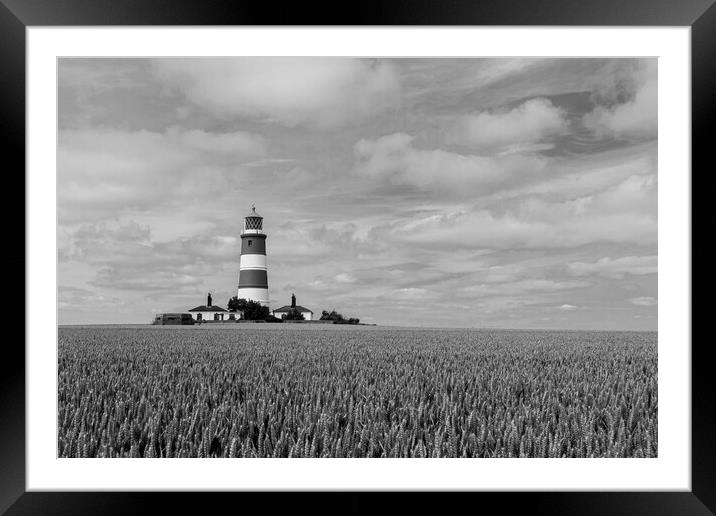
{"x": 510, "y": 193}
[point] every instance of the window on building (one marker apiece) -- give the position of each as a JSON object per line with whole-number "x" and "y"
{"x": 216, "y": 317}
{"x": 250, "y": 243}
{"x": 198, "y": 317}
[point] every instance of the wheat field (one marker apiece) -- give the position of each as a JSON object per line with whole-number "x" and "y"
{"x": 332, "y": 391}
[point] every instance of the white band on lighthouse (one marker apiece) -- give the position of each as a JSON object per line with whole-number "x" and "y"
{"x": 253, "y": 270}
{"x": 252, "y": 261}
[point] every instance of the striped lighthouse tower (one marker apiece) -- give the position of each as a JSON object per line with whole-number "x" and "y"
{"x": 253, "y": 279}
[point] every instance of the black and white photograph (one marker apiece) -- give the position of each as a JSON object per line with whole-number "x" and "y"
{"x": 344, "y": 257}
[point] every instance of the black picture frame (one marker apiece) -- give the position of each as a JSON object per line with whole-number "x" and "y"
{"x": 700, "y": 15}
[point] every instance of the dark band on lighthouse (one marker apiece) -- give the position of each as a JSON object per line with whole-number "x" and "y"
{"x": 254, "y": 278}
{"x": 253, "y": 244}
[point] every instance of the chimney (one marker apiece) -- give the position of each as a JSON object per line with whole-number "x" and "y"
{"x": 208, "y": 299}
{"x": 293, "y": 300}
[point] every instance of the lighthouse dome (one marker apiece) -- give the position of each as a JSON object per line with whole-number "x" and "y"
{"x": 253, "y": 213}
{"x": 253, "y": 221}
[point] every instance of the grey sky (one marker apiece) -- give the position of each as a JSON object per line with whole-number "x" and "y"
{"x": 434, "y": 192}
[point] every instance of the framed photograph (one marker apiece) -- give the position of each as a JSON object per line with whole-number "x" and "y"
{"x": 421, "y": 248}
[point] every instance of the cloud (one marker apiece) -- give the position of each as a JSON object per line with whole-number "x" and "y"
{"x": 344, "y": 277}
{"x": 636, "y": 117}
{"x": 316, "y": 92}
{"x": 527, "y": 123}
{"x": 523, "y": 286}
{"x": 103, "y": 172}
{"x": 419, "y": 294}
{"x": 394, "y": 160}
{"x": 73, "y": 298}
{"x": 128, "y": 278}
{"x": 534, "y": 223}
{"x": 635, "y": 194}
{"x": 126, "y": 258}
{"x": 620, "y": 213}
{"x": 495, "y": 70}
{"x": 584, "y": 175}
{"x": 616, "y": 268}
{"x": 567, "y": 307}
{"x": 299, "y": 241}
{"x": 97, "y": 74}
{"x": 643, "y": 301}
{"x": 89, "y": 90}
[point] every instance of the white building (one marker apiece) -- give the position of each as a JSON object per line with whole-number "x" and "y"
{"x": 280, "y": 313}
{"x": 210, "y": 312}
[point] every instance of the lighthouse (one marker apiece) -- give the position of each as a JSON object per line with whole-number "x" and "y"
{"x": 253, "y": 278}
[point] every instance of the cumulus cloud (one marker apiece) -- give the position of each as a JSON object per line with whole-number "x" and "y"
{"x": 644, "y": 301}
{"x": 394, "y": 159}
{"x": 127, "y": 258}
{"x": 102, "y": 172}
{"x": 585, "y": 175}
{"x": 635, "y": 117}
{"x": 318, "y": 92}
{"x": 537, "y": 223}
{"x": 527, "y": 123}
{"x": 73, "y": 298}
{"x": 567, "y": 307}
{"x": 344, "y": 277}
{"x": 616, "y": 268}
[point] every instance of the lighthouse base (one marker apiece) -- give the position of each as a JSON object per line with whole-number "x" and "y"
{"x": 254, "y": 294}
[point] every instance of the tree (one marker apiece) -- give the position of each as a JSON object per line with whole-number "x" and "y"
{"x": 337, "y": 318}
{"x": 294, "y": 315}
{"x": 331, "y": 316}
{"x": 253, "y": 310}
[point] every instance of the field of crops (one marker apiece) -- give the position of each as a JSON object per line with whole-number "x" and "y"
{"x": 307, "y": 391}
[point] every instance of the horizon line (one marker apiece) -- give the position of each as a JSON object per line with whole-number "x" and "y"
{"x": 499, "y": 328}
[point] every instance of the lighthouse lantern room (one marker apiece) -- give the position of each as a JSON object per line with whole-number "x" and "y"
{"x": 253, "y": 277}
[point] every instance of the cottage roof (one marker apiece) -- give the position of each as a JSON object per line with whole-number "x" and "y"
{"x": 297, "y": 307}
{"x": 204, "y": 308}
